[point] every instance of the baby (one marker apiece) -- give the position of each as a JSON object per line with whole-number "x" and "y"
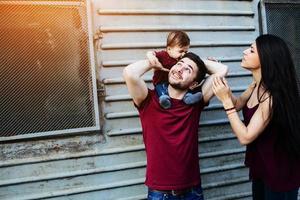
{"x": 178, "y": 43}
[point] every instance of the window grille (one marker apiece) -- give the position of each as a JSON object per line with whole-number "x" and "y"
{"x": 283, "y": 20}
{"x": 48, "y": 81}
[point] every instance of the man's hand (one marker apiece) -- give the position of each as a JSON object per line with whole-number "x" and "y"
{"x": 214, "y": 69}
{"x": 213, "y": 59}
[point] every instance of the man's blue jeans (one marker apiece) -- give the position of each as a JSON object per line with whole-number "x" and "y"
{"x": 195, "y": 194}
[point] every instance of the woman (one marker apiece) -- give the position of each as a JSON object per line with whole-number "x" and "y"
{"x": 271, "y": 127}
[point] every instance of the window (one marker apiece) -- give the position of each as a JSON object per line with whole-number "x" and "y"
{"x": 282, "y": 18}
{"x": 48, "y": 81}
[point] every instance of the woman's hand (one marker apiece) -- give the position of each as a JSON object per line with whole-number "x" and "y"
{"x": 222, "y": 90}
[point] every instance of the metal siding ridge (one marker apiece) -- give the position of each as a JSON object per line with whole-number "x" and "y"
{"x": 121, "y": 97}
{"x": 168, "y": 28}
{"x": 162, "y": 45}
{"x": 81, "y": 190}
{"x": 118, "y": 115}
{"x": 173, "y": 12}
{"x": 142, "y": 147}
{"x": 127, "y": 62}
{"x": 119, "y": 80}
{"x": 117, "y": 185}
{"x": 139, "y": 197}
{"x": 115, "y": 150}
{"x": 131, "y": 131}
{"x": 224, "y": 183}
{"x": 216, "y": 138}
{"x": 238, "y": 74}
{"x": 76, "y": 173}
{"x": 124, "y": 131}
{"x": 222, "y": 168}
{"x": 222, "y": 153}
{"x": 125, "y": 149}
{"x": 126, "y": 97}
{"x": 233, "y": 196}
{"x": 120, "y": 167}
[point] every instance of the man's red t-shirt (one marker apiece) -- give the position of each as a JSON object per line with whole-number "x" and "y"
{"x": 171, "y": 141}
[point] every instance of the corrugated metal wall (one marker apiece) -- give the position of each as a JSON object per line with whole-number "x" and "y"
{"x": 111, "y": 165}
{"x": 222, "y": 29}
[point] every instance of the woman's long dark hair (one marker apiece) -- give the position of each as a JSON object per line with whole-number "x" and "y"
{"x": 280, "y": 81}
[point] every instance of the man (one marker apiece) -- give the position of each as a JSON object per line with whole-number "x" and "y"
{"x": 171, "y": 135}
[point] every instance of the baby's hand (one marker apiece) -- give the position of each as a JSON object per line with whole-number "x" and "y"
{"x": 152, "y": 58}
{"x": 158, "y": 66}
{"x": 154, "y": 62}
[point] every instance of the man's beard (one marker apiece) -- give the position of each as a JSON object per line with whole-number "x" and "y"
{"x": 178, "y": 86}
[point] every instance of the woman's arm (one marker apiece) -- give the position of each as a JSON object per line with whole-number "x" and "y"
{"x": 258, "y": 122}
{"x": 240, "y": 102}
